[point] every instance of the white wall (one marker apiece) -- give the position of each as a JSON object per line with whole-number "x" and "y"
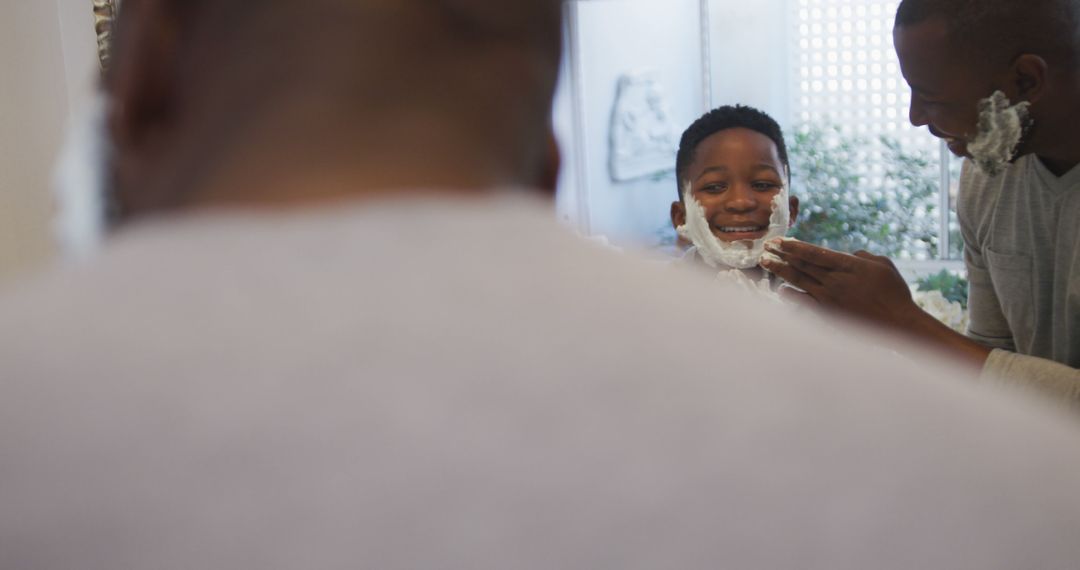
{"x": 750, "y": 43}
{"x": 80, "y": 51}
{"x": 46, "y": 58}
{"x": 609, "y": 38}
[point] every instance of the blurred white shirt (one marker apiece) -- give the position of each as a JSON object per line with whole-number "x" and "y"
{"x": 442, "y": 384}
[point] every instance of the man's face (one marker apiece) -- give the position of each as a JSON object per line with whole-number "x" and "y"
{"x": 735, "y": 175}
{"x": 945, "y": 92}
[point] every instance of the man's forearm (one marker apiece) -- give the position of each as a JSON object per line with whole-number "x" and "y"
{"x": 928, "y": 330}
{"x": 1053, "y": 379}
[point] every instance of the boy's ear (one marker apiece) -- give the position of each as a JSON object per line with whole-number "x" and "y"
{"x": 793, "y": 207}
{"x": 678, "y": 214}
{"x": 1029, "y": 76}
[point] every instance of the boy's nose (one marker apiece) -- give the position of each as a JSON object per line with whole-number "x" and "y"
{"x": 741, "y": 200}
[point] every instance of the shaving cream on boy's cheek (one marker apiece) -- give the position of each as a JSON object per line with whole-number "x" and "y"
{"x": 1001, "y": 128}
{"x": 742, "y": 254}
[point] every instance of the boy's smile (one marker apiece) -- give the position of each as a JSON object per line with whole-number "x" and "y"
{"x": 736, "y": 233}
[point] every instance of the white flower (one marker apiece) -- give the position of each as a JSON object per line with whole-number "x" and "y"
{"x": 949, "y": 312}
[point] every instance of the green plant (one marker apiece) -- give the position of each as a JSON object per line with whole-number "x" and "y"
{"x": 848, "y": 205}
{"x": 952, "y": 286}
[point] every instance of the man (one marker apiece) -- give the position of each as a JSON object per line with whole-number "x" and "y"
{"x": 340, "y": 330}
{"x": 998, "y": 80}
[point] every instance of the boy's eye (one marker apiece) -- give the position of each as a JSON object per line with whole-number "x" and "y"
{"x": 765, "y": 186}
{"x": 714, "y": 187}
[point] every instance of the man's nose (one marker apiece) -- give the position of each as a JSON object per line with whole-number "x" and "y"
{"x": 917, "y": 113}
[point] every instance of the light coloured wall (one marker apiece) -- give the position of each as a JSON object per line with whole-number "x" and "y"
{"x": 607, "y": 39}
{"x": 46, "y": 61}
{"x": 80, "y": 51}
{"x": 750, "y": 45}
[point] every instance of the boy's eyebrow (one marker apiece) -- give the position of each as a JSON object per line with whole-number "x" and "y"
{"x": 762, "y": 166}
{"x": 712, "y": 169}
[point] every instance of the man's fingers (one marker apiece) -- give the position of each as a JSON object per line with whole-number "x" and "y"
{"x": 794, "y": 276}
{"x": 862, "y": 254}
{"x": 790, "y": 250}
{"x": 820, "y": 274}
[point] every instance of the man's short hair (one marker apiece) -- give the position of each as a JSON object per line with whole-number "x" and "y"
{"x": 722, "y": 119}
{"x": 374, "y": 71}
{"x": 995, "y": 32}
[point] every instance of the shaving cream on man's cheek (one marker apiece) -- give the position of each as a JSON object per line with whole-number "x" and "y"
{"x": 1001, "y": 129}
{"x": 742, "y": 254}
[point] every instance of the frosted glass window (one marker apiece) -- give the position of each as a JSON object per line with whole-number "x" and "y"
{"x": 858, "y": 94}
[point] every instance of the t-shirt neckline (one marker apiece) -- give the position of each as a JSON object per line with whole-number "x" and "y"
{"x": 1070, "y": 179}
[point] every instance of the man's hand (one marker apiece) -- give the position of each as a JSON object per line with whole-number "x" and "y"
{"x": 864, "y": 285}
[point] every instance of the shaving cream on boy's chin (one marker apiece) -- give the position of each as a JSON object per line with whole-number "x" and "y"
{"x": 742, "y": 254}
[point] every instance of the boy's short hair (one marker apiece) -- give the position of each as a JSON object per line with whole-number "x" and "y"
{"x": 722, "y": 119}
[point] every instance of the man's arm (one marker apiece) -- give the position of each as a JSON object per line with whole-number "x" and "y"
{"x": 1051, "y": 378}
{"x": 988, "y": 326}
{"x": 870, "y": 287}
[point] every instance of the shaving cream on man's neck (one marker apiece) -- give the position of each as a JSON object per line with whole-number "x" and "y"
{"x": 720, "y": 254}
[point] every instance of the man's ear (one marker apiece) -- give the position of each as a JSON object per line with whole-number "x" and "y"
{"x": 678, "y": 214}
{"x": 793, "y": 207}
{"x": 140, "y": 82}
{"x": 141, "y": 91}
{"x": 1029, "y": 74}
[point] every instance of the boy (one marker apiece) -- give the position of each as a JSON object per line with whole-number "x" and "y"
{"x": 733, "y": 176}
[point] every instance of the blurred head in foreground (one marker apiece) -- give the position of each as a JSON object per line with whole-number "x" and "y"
{"x": 281, "y": 102}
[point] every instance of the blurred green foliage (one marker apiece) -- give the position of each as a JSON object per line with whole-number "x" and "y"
{"x": 848, "y": 204}
{"x": 952, "y": 286}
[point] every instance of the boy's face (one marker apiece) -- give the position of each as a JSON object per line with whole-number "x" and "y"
{"x": 735, "y": 175}
{"x": 945, "y": 91}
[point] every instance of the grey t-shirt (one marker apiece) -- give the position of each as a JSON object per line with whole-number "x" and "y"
{"x": 1022, "y": 250}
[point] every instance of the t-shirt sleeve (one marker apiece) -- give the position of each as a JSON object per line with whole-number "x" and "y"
{"x": 986, "y": 321}
{"x": 1051, "y": 378}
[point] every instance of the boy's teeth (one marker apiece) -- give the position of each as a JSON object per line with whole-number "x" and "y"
{"x": 742, "y": 229}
